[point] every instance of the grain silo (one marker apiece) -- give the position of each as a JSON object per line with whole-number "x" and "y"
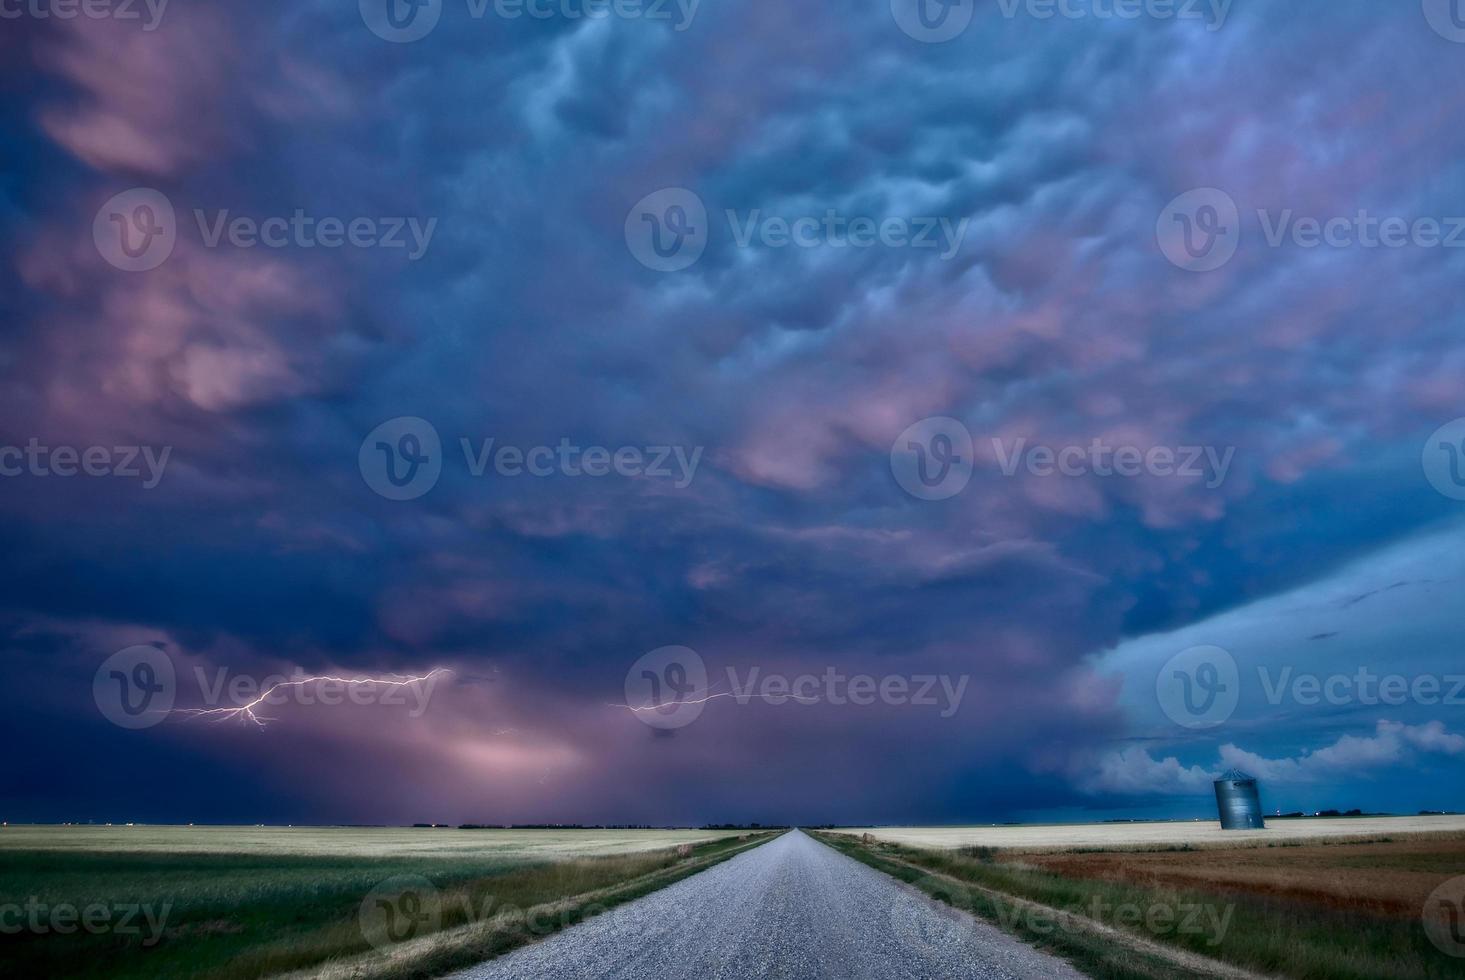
{"x": 1238, "y": 801}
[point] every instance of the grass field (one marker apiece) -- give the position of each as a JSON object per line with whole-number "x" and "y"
{"x": 517, "y": 845}
{"x": 1299, "y": 906}
{"x": 243, "y": 903}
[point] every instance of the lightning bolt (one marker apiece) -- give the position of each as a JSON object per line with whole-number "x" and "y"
{"x": 713, "y": 696}
{"x": 246, "y": 712}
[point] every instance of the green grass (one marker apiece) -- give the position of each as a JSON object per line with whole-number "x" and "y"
{"x": 1275, "y": 936}
{"x": 239, "y": 916}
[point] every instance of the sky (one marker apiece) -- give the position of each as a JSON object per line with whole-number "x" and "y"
{"x": 1061, "y": 402}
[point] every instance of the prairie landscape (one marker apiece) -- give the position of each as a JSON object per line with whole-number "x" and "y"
{"x": 900, "y": 429}
{"x": 230, "y": 903}
{"x": 1344, "y": 899}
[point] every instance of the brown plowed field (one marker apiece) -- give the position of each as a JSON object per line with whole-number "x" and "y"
{"x": 1387, "y": 877}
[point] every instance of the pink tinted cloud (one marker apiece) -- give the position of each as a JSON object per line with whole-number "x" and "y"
{"x": 200, "y": 330}
{"x": 145, "y": 102}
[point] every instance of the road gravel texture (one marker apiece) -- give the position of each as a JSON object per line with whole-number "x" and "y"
{"x": 793, "y": 909}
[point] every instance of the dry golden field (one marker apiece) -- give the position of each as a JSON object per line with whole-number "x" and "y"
{"x": 1052, "y": 837}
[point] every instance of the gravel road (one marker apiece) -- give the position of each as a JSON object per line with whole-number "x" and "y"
{"x": 792, "y": 909}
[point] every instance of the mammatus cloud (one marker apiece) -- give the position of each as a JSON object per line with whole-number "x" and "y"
{"x": 1056, "y": 321}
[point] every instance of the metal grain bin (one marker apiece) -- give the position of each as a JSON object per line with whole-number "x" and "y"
{"x": 1238, "y": 801}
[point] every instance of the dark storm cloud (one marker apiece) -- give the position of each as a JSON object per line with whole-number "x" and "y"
{"x": 1055, "y": 319}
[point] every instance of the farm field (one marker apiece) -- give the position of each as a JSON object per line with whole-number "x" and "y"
{"x": 1388, "y": 877}
{"x": 1329, "y": 906}
{"x": 216, "y": 903}
{"x": 1039, "y": 837}
{"x": 512, "y": 845}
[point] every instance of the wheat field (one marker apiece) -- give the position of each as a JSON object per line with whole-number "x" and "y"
{"x": 1161, "y": 834}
